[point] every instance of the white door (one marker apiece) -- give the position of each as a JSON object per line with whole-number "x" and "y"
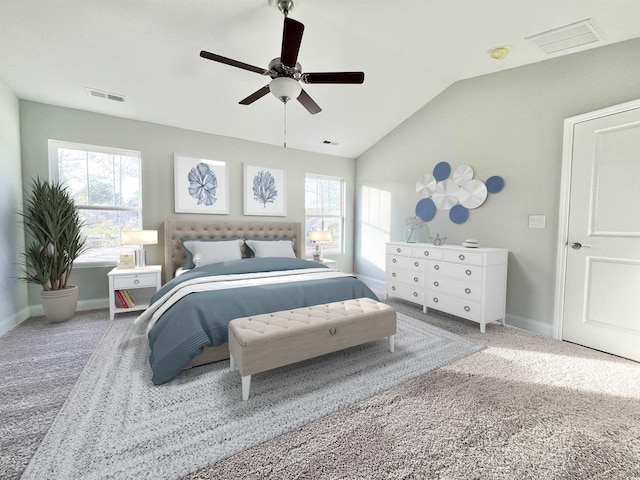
{"x": 602, "y": 279}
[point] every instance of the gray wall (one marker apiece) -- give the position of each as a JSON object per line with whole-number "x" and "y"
{"x": 508, "y": 124}
{"x": 40, "y": 122}
{"x": 13, "y": 295}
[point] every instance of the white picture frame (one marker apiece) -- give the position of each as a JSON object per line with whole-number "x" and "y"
{"x": 264, "y": 191}
{"x": 201, "y": 185}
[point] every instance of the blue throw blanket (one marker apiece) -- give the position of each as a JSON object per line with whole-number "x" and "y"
{"x": 201, "y": 319}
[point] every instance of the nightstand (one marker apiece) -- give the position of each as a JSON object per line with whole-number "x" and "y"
{"x": 140, "y": 283}
{"x": 333, "y": 264}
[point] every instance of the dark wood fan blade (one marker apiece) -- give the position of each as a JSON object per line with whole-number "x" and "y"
{"x": 291, "y": 40}
{"x": 308, "y": 103}
{"x": 255, "y": 96}
{"x": 233, "y": 63}
{"x": 333, "y": 77}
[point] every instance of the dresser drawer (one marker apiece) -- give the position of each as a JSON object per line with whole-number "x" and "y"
{"x": 463, "y": 257}
{"x": 403, "y": 250}
{"x": 134, "y": 281}
{"x": 453, "y": 271}
{"x": 446, "y": 286}
{"x": 398, "y": 275}
{"x": 406, "y": 292}
{"x": 454, "y": 306}
{"x": 407, "y": 263}
{"x": 426, "y": 252}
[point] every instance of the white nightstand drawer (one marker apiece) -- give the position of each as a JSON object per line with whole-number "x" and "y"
{"x": 135, "y": 281}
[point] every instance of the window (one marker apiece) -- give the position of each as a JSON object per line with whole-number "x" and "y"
{"x": 324, "y": 210}
{"x": 106, "y": 184}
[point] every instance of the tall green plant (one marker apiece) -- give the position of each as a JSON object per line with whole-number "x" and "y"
{"x": 53, "y": 224}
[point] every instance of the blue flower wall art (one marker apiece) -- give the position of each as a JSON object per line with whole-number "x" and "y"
{"x": 264, "y": 188}
{"x": 264, "y": 191}
{"x": 201, "y": 185}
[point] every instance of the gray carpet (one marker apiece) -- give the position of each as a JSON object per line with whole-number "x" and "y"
{"x": 116, "y": 424}
{"x": 39, "y": 364}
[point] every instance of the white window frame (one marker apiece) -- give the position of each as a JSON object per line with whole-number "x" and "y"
{"x": 341, "y": 241}
{"x": 54, "y": 175}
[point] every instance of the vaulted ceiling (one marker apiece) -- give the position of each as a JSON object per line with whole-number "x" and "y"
{"x": 148, "y": 51}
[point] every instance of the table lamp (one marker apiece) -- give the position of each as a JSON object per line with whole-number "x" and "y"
{"x": 140, "y": 238}
{"x": 319, "y": 237}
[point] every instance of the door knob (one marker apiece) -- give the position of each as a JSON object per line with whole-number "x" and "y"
{"x": 578, "y": 246}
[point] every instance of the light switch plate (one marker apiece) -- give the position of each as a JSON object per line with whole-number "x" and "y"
{"x": 537, "y": 221}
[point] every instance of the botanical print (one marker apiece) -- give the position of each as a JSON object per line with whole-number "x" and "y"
{"x": 201, "y": 185}
{"x": 264, "y": 188}
{"x": 264, "y": 191}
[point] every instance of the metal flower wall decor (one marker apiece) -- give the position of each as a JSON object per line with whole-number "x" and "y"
{"x": 458, "y": 194}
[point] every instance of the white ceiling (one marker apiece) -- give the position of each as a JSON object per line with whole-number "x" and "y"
{"x": 148, "y": 51}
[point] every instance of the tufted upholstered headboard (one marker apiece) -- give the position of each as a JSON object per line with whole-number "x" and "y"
{"x": 174, "y": 256}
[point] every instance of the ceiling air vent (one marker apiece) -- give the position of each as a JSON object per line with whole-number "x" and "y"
{"x": 106, "y": 95}
{"x": 329, "y": 142}
{"x": 567, "y": 37}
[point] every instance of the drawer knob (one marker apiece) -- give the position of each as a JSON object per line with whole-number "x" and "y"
{"x": 393, "y": 274}
{"x": 435, "y": 299}
{"x": 468, "y": 272}
{"x": 393, "y": 288}
{"x": 398, "y": 250}
{"x": 467, "y": 291}
{"x": 415, "y": 279}
{"x": 467, "y": 308}
{"x": 416, "y": 264}
{"x": 426, "y": 253}
{"x": 136, "y": 281}
{"x": 415, "y": 294}
{"x": 461, "y": 257}
{"x": 436, "y": 284}
{"x": 394, "y": 260}
{"x": 436, "y": 267}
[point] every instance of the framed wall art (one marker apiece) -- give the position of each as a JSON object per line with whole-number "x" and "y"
{"x": 264, "y": 191}
{"x": 201, "y": 185}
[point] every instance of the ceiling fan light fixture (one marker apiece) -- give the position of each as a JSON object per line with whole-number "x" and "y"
{"x": 285, "y": 88}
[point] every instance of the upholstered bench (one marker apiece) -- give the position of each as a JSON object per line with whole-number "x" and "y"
{"x": 263, "y": 342}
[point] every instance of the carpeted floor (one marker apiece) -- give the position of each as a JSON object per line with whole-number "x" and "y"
{"x": 526, "y": 407}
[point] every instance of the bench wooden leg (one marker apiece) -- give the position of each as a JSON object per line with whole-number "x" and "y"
{"x": 392, "y": 343}
{"x": 246, "y": 384}
{"x": 232, "y": 363}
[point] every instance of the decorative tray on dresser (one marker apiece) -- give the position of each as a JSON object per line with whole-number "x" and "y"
{"x": 466, "y": 282}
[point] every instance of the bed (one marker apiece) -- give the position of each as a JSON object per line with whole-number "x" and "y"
{"x": 188, "y": 317}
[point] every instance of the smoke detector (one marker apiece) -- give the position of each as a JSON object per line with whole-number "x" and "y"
{"x": 565, "y": 38}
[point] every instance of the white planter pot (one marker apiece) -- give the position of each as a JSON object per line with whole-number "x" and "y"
{"x": 59, "y": 305}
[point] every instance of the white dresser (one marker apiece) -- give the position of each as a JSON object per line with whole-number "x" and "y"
{"x": 466, "y": 282}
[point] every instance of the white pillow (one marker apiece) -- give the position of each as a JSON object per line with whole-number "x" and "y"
{"x": 205, "y": 253}
{"x": 271, "y": 248}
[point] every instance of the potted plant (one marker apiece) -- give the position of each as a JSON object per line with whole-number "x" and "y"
{"x": 54, "y": 241}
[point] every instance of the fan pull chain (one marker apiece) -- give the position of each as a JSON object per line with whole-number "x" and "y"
{"x": 285, "y": 124}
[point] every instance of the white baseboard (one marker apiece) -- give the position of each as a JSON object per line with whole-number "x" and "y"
{"x": 16, "y": 319}
{"x": 535, "y": 326}
{"x": 12, "y": 321}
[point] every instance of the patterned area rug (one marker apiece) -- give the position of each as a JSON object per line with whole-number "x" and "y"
{"x": 117, "y": 424}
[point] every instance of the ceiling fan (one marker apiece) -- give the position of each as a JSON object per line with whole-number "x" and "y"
{"x": 285, "y": 71}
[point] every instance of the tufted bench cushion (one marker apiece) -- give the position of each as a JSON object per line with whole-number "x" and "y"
{"x": 263, "y": 342}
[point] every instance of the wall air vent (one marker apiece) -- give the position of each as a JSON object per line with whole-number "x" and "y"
{"x": 106, "y": 95}
{"x": 565, "y": 38}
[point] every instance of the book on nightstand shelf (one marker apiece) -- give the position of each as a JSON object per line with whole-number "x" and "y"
{"x": 129, "y": 298}
{"x": 122, "y": 299}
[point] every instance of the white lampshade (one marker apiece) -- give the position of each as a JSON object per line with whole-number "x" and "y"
{"x": 139, "y": 237}
{"x": 285, "y": 88}
{"x": 319, "y": 235}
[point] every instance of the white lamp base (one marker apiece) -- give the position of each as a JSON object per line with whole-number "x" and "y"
{"x": 141, "y": 258}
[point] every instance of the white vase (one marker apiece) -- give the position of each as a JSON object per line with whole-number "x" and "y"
{"x": 59, "y": 305}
